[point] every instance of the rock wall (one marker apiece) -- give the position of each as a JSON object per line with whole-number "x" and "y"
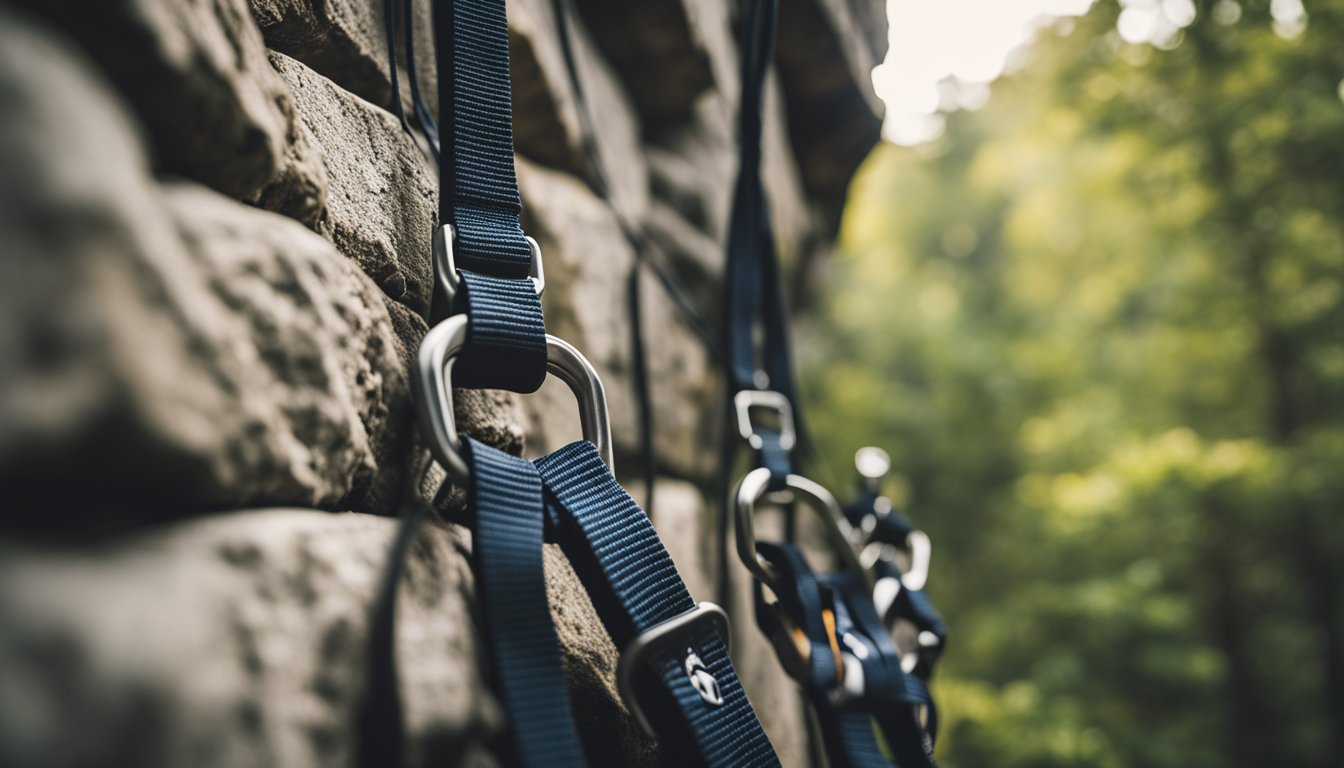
{"x": 214, "y": 269}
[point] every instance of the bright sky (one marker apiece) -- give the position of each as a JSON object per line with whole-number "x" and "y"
{"x": 970, "y": 40}
{"x": 945, "y": 53}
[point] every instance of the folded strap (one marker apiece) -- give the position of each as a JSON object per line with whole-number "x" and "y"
{"x": 635, "y": 587}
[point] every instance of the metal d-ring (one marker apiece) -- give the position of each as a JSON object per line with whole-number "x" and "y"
{"x": 449, "y": 281}
{"x": 434, "y": 394}
{"x": 840, "y": 534}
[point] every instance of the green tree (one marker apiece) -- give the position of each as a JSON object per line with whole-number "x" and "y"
{"x": 1100, "y": 327}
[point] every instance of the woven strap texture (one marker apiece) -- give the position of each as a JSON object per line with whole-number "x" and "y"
{"x": 478, "y": 195}
{"x": 635, "y": 587}
{"x": 525, "y": 652}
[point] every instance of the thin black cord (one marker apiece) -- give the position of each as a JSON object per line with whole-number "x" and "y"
{"x": 380, "y": 722}
{"x": 423, "y": 115}
{"x": 390, "y": 25}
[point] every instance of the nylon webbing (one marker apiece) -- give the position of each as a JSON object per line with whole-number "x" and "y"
{"x": 506, "y": 335}
{"x": 635, "y": 587}
{"x": 508, "y": 530}
{"x": 478, "y": 189}
{"x": 890, "y": 696}
{"x": 753, "y": 298}
{"x": 478, "y": 196}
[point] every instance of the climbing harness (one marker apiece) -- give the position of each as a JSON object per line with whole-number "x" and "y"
{"x": 825, "y": 627}
{"x": 832, "y": 630}
{"x": 488, "y": 331}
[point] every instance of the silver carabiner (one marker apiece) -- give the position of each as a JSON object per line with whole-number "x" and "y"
{"x": 434, "y": 394}
{"x": 840, "y": 534}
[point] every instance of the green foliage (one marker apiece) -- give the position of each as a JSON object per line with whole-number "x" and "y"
{"x": 1100, "y": 327}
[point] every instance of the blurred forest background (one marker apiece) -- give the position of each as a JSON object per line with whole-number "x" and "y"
{"x": 1099, "y": 325}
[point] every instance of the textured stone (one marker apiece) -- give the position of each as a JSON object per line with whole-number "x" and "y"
{"x": 587, "y": 268}
{"x": 178, "y": 348}
{"x": 196, "y": 73}
{"x": 346, "y": 41}
{"x": 299, "y": 188}
{"x": 252, "y": 650}
{"x": 548, "y": 127}
{"x": 383, "y": 194}
{"x": 694, "y": 168}
{"x": 609, "y": 733}
{"x": 166, "y": 351}
{"x": 826, "y": 54}
{"x": 631, "y": 35}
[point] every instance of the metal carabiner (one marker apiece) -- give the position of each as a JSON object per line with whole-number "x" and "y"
{"x": 434, "y": 394}
{"x": 840, "y": 534}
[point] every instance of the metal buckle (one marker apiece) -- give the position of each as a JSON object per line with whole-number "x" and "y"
{"x": 839, "y": 533}
{"x": 921, "y": 552}
{"x": 669, "y": 633}
{"x": 434, "y": 393}
{"x": 747, "y": 399}
{"x": 445, "y": 266}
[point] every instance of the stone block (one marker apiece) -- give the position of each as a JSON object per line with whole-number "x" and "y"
{"x": 168, "y": 346}
{"x": 346, "y": 41}
{"x": 587, "y": 267}
{"x": 382, "y": 202}
{"x": 237, "y": 639}
{"x": 197, "y": 75}
{"x": 826, "y": 53}
{"x": 671, "y": 32}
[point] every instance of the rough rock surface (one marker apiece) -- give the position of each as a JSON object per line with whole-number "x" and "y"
{"x": 251, "y": 652}
{"x": 215, "y": 272}
{"x": 197, "y": 74}
{"x": 588, "y": 262}
{"x": 178, "y": 347}
{"x": 346, "y": 41}
{"x": 382, "y": 196}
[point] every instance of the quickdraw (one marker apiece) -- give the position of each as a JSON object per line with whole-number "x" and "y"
{"x": 831, "y": 630}
{"x": 489, "y": 331}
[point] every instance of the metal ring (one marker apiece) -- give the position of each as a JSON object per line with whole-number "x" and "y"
{"x": 839, "y": 533}
{"x": 448, "y": 280}
{"x": 434, "y": 394}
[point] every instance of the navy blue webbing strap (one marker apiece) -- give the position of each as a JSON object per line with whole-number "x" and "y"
{"x": 479, "y": 192}
{"x": 890, "y": 696}
{"x": 478, "y": 196}
{"x": 635, "y": 588}
{"x": 753, "y": 302}
{"x": 506, "y": 334}
{"x": 753, "y": 297}
{"x": 847, "y": 731}
{"x": 508, "y": 529}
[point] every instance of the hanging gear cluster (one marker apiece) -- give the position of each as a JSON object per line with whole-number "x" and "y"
{"x": 832, "y": 626}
